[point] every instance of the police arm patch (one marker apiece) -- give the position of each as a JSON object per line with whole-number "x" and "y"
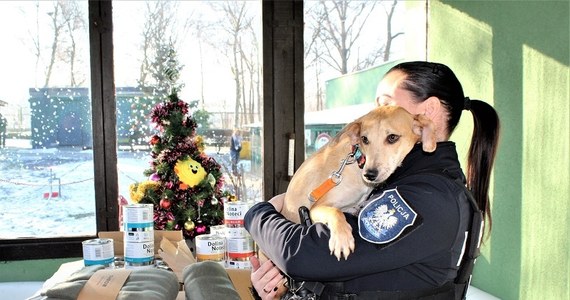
{"x": 385, "y": 218}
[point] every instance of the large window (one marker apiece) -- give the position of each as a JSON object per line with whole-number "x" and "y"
{"x": 47, "y": 182}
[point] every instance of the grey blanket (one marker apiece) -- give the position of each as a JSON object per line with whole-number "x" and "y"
{"x": 208, "y": 280}
{"x": 142, "y": 284}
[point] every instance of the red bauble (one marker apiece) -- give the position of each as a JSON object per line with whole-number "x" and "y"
{"x": 154, "y": 140}
{"x": 165, "y": 203}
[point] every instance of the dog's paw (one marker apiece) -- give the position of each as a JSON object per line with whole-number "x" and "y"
{"x": 341, "y": 243}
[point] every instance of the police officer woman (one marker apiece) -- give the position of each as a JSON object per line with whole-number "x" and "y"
{"x": 418, "y": 252}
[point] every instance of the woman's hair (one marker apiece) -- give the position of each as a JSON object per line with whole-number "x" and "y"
{"x": 426, "y": 79}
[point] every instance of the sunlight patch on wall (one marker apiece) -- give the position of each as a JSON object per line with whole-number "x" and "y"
{"x": 545, "y": 175}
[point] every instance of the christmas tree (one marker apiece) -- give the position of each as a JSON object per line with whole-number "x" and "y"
{"x": 184, "y": 184}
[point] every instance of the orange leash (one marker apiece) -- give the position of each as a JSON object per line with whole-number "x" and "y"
{"x": 336, "y": 176}
{"x": 322, "y": 189}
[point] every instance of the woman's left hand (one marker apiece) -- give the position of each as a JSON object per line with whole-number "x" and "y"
{"x": 266, "y": 278}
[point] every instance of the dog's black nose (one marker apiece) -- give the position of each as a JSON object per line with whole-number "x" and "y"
{"x": 371, "y": 174}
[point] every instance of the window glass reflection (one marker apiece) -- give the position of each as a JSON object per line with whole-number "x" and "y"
{"x": 46, "y": 158}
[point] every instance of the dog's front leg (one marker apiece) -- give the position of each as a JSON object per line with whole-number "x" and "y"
{"x": 341, "y": 242}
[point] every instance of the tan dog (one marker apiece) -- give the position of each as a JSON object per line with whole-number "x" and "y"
{"x": 384, "y": 136}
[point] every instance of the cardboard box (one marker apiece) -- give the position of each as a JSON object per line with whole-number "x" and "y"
{"x": 242, "y": 282}
{"x": 159, "y": 235}
{"x": 171, "y": 247}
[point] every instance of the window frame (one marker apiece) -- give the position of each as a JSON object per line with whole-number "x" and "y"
{"x": 283, "y": 118}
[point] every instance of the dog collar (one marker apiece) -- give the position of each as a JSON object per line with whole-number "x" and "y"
{"x": 359, "y": 157}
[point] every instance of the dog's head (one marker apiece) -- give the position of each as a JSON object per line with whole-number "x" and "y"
{"x": 385, "y": 136}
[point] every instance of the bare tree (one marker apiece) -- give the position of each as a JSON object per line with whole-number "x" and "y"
{"x": 313, "y": 58}
{"x": 238, "y": 22}
{"x": 389, "y": 35}
{"x": 313, "y": 54}
{"x": 341, "y": 24}
{"x": 157, "y": 32}
{"x": 57, "y": 24}
{"x": 159, "y": 66}
{"x": 74, "y": 21}
{"x": 338, "y": 41}
{"x": 337, "y": 30}
{"x": 235, "y": 26}
{"x": 66, "y": 21}
{"x": 251, "y": 78}
{"x": 36, "y": 41}
{"x": 386, "y": 49}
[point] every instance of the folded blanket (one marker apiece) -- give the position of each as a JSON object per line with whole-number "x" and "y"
{"x": 142, "y": 284}
{"x": 208, "y": 280}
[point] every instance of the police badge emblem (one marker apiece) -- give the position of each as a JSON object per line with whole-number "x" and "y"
{"x": 384, "y": 218}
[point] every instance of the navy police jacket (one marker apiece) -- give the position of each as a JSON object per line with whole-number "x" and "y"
{"x": 420, "y": 251}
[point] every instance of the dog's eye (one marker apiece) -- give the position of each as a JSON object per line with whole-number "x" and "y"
{"x": 364, "y": 140}
{"x": 392, "y": 138}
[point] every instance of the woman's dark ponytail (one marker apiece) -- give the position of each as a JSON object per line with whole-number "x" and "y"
{"x": 482, "y": 152}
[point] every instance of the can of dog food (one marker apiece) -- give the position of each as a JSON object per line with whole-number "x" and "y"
{"x": 98, "y": 252}
{"x": 139, "y": 255}
{"x": 211, "y": 247}
{"x": 234, "y": 212}
{"x": 239, "y": 249}
{"x": 138, "y": 235}
{"x": 138, "y": 223}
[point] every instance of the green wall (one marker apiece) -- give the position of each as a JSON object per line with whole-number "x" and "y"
{"x": 515, "y": 55}
{"x": 356, "y": 88}
{"x": 31, "y": 270}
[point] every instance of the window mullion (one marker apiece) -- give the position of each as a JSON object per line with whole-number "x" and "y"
{"x": 104, "y": 116}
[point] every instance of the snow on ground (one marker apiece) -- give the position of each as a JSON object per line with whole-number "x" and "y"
{"x": 25, "y": 177}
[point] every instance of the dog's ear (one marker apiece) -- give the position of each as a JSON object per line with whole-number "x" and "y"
{"x": 352, "y": 130}
{"x": 424, "y": 127}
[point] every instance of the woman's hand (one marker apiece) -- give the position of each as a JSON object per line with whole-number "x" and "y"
{"x": 266, "y": 278}
{"x": 277, "y": 202}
